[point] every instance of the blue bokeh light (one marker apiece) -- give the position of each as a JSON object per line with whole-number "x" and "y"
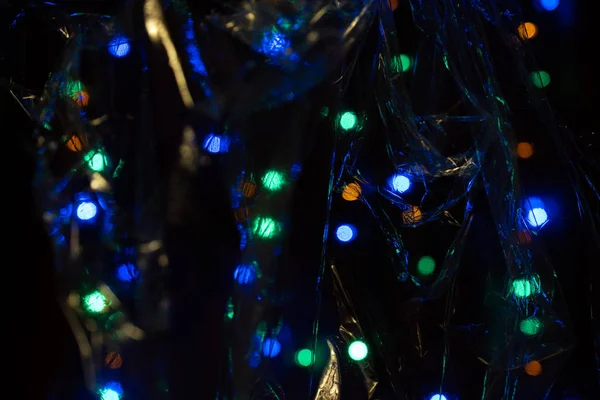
{"x": 274, "y": 44}
{"x": 86, "y": 211}
{"x": 271, "y": 347}
{"x": 216, "y": 143}
{"x": 438, "y": 397}
{"x": 245, "y": 274}
{"x": 127, "y": 272}
{"x": 400, "y": 183}
{"x": 345, "y": 233}
{"x": 548, "y": 5}
{"x": 535, "y": 212}
{"x": 111, "y": 391}
{"x": 119, "y": 46}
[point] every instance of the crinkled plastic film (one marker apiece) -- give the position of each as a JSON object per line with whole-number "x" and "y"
{"x": 139, "y": 153}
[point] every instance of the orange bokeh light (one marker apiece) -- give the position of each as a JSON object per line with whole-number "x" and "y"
{"x": 393, "y": 4}
{"x": 113, "y": 360}
{"x": 74, "y": 143}
{"x": 81, "y": 98}
{"x": 533, "y": 368}
{"x": 524, "y": 150}
{"x": 412, "y": 216}
{"x": 248, "y": 189}
{"x": 527, "y": 30}
{"x": 351, "y": 192}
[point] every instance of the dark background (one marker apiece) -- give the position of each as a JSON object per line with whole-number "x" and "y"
{"x": 565, "y": 47}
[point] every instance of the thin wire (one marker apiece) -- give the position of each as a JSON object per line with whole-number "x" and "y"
{"x": 319, "y": 287}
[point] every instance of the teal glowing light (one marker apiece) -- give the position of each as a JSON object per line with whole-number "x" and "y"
{"x": 304, "y": 357}
{"x": 265, "y": 227}
{"x": 348, "y": 120}
{"x": 358, "y": 350}
{"x": 95, "y": 302}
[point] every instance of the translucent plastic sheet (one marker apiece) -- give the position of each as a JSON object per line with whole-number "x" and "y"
{"x": 160, "y": 122}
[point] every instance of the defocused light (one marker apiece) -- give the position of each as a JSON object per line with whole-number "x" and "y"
{"x": 530, "y": 326}
{"x": 358, "y": 350}
{"x": 547, "y": 5}
{"x": 74, "y": 143}
{"x": 119, "y": 47}
{"x": 216, "y": 144}
{"x": 95, "y": 302}
{"x": 265, "y": 227}
{"x": 86, "y": 210}
{"x": 273, "y": 180}
{"x": 525, "y": 287}
{"x": 533, "y": 368}
{"x": 274, "y": 44}
{"x": 351, "y": 192}
{"x": 304, "y": 357}
{"x": 348, "y": 120}
{"x": 540, "y": 79}
{"x": 411, "y": 216}
{"x": 245, "y": 274}
{"x": 271, "y": 347}
{"x": 527, "y": 30}
{"x": 393, "y": 4}
{"x": 438, "y": 397}
{"x": 535, "y": 212}
{"x": 81, "y": 98}
{"x": 127, "y": 272}
{"x": 524, "y": 150}
{"x": 403, "y": 63}
{"x": 345, "y": 233}
{"x": 426, "y": 266}
{"x": 400, "y": 183}
{"x": 111, "y": 391}
{"x": 96, "y": 160}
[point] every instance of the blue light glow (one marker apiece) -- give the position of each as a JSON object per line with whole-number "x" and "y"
{"x": 274, "y": 44}
{"x": 216, "y": 144}
{"x": 345, "y": 233}
{"x": 245, "y": 274}
{"x": 127, "y": 272}
{"x": 193, "y": 51}
{"x": 400, "y": 183}
{"x": 535, "y": 212}
{"x": 119, "y": 47}
{"x": 111, "y": 391}
{"x": 438, "y": 397}
{"x": 86, "y": 211}
{"x": 549, "y": 5}
{"x": 271, "y": 347}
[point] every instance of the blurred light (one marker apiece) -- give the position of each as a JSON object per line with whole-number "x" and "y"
{"x": 96, "y": 160}
{"x": 119, "y": 47}
{"x": 113, "y": 360}
{"x": 304, "y": 357}
{"x": 393, "y": 4}
{"x": 95, "y": 302}
{"x": 547, "y": 5}
{"x": 524, "y": 150}
{"x": 274, "y": 44}
{"x": 273, "y": 180}
{"x": 403, "y": 63}
{"x": 265, "y": 227}
{"x": 86, "y": 211}
{"x": 438, "y": 397}
{"x": 358, "y": 350}
{"x": 426, "y": 265}
{"x": 245, "y": 274}
{"x": 74, "y": 143}
{"x": 525, "y": 287}
{"x": 412, "y": 216}
{"x": 540, "y": 79}
{"x": 400, "y": 183}
{"x": 216, "y": 144}
{"x": 81, "y": 98}
{"x": 254, "y": 359}
{"x": 111, "y": 391}
{"x": 348, "y": 120}
{"x": 527, "y": 30}
{"x": 533, "y": 368}
{"x": 127, "y": 272}
{"x": 536, "y": 214}
{"x": 271, "y": 347}
{"x": 351, "y": 192}
{"x": 530, "y": 326}
{"x": 345, "y": 233}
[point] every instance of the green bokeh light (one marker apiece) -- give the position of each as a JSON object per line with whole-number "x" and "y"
{"x": 531, "y": 326}
{"x": 96, "y": 161}
{"x": 358, "y": 350}
{"x": 304, "y": 357}
{"x": 348, "y": 120}
{"x": 265, "y": 227}
{"x": 525, "y": 287}
{"x": 95, "y": 302}
{"x": 540, "y": 79}
{"x": 402, "y": 63}
{"x": 426, "y": 265}
{"x": 273, "y": 180}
